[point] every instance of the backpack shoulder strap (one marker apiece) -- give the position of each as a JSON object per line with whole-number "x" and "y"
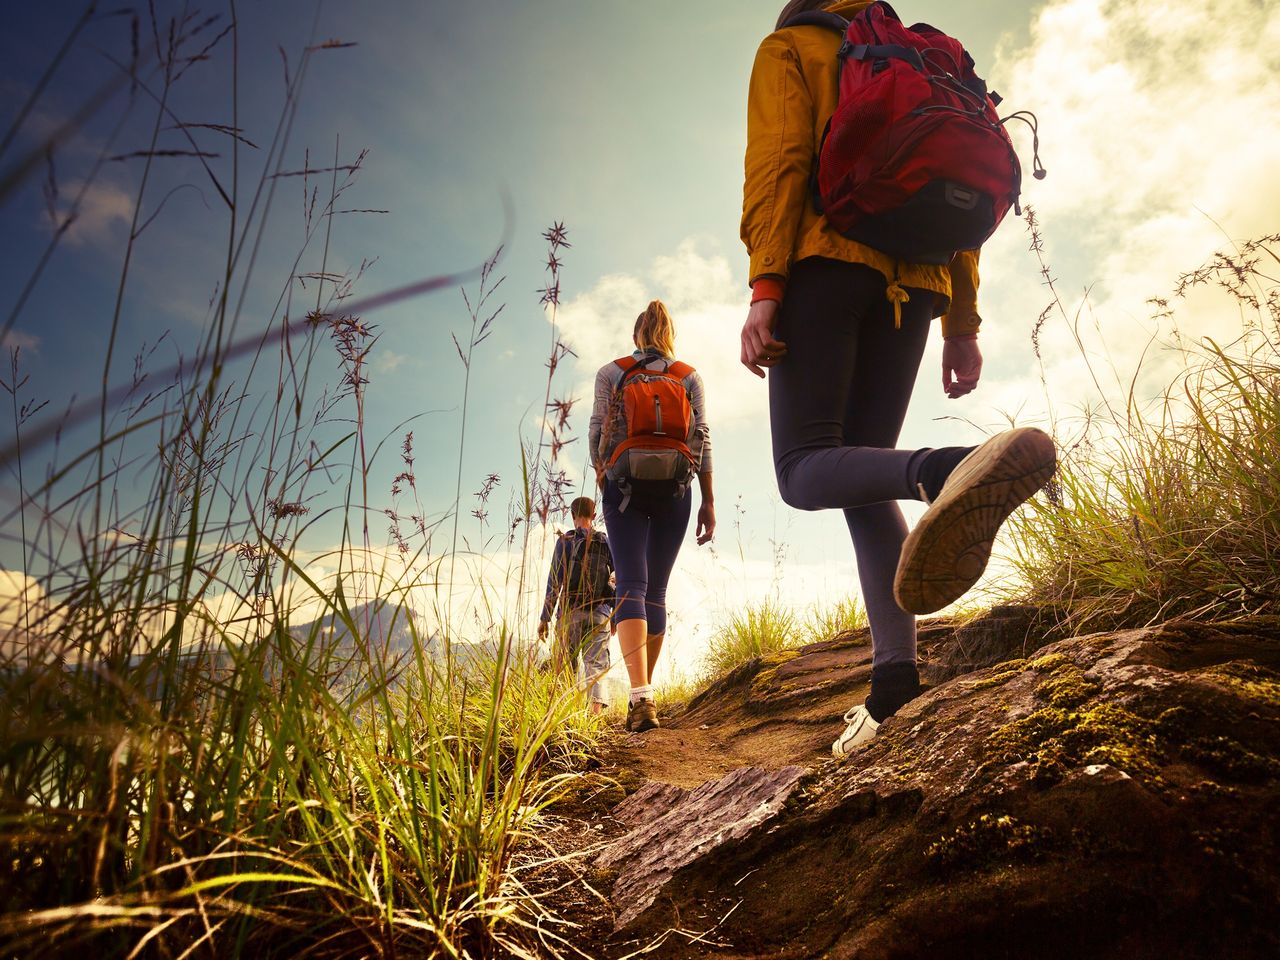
{"x": 634, "y": 366}
{"x": 574, "y": 547}
{"x": 819, "y": 18}
{"x": 679, "y": 370}
{"x": 629, "y": 365}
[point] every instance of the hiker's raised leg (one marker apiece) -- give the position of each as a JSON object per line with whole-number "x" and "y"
{"x": 828, "y": 310}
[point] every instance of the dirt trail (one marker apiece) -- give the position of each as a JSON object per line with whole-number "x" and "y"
{"x": 783, "y": 711}
{"x": 704, "y": 744}
{"x": 787, "y": 709}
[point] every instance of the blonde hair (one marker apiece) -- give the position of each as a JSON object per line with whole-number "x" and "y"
{"x": 655, "y": 331}
{"x": 799, "y": 6}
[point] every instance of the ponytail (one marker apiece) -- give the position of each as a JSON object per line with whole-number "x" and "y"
{"x": 655, "y": 331}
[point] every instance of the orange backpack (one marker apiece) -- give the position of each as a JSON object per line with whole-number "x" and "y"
{"x": 651, "y": 420}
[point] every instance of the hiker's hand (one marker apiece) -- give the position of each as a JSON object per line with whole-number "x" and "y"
{"x": 600, "y": 477}
{"x": 542, "y": 629}
{"x": 759, "y": 348}
{"x": 707, "y": 520}
{"x": 961, "y": 365}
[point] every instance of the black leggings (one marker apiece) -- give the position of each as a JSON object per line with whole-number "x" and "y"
{"x": 836, "y": 406}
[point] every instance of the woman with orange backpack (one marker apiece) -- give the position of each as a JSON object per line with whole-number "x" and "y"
{"x": 649, "y": 438}
{"x": 840, "y": 312}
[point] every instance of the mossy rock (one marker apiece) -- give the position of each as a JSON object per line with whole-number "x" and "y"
{"x": 1246, "y": 679}
{"x": 990, "y": 838}
{"x": 1008, "y": 670}
{"x": 1056, "y": 740}
{"x": 1051, "y": 662}
{"x": 1073, "y": 732}
{"x": 1067, "y": 686}
{"x": 764, "y": 679}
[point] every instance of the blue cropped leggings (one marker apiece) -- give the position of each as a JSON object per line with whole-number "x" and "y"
{"x": 645, "y": 539}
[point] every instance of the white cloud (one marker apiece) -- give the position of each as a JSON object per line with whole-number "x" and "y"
{"x": 1161, "y": 149}
{"x": 103, "y": 215}
{"x": 388, "y": 361}
{"x": 26, "y": 623}
{"x": 20, "y": 340}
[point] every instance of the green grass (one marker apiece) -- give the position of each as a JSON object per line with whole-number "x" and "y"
{"x": 277, "y": 801}
{"x": 757, "y": 630}
{"x": 768, "y": 627}
{"x": 1173, "y": 509}
{"x": 841, "y": 616}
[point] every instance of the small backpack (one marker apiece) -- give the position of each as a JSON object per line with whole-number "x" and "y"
{"x": 650, "y": 423}
{"x": 589, "y": 568}
{"x": 915, "y": 161}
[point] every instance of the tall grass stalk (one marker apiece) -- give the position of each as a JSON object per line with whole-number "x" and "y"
{"x": 481, "y": 327}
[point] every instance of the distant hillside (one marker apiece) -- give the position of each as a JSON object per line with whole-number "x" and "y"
{"x": 387, "y": 629}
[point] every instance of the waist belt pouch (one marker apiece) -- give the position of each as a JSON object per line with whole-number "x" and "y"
{"x": 654, "y": 465}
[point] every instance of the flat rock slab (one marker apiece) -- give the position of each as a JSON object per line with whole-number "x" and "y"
{"x": 672, "y": 827}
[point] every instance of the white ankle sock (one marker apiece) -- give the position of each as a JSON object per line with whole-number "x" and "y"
{"x": 642, "y": 693}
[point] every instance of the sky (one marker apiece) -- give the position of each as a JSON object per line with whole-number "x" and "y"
{"x": 624, "y": 122}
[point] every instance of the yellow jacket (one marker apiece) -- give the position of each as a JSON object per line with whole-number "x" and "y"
{"x": 792, "y": 95}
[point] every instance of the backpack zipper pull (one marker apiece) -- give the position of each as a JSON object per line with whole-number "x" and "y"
{"x": 657, "y": 415}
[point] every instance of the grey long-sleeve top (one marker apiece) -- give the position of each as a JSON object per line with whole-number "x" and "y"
{"x": 607, "y": 380}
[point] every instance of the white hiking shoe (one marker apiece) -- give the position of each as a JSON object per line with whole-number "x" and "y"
{"x": 859, "y": 730}
{"x": 949, "y": 548}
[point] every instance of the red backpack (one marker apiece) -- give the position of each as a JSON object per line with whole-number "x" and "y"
{"x": 915, "y": 161}
{"x": 650, "y": 422}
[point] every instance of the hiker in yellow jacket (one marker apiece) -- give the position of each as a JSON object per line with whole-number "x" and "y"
{"x": 841, "y": 328}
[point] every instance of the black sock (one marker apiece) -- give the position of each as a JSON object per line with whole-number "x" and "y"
{"x": 892, "y": 685}
{"x": 937, "y": 466}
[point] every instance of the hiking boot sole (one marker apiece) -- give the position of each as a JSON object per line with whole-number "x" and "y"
{"x": 949, "y": 548}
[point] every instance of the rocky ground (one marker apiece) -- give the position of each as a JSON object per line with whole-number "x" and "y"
{"x": 1109, "y": 796}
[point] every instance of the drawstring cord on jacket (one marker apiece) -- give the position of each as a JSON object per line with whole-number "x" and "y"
{"x": 896, "y": 295}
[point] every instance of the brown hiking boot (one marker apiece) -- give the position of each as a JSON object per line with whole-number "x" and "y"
{"x": 949, "y": 548}
{"x": 641, "y": 716}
